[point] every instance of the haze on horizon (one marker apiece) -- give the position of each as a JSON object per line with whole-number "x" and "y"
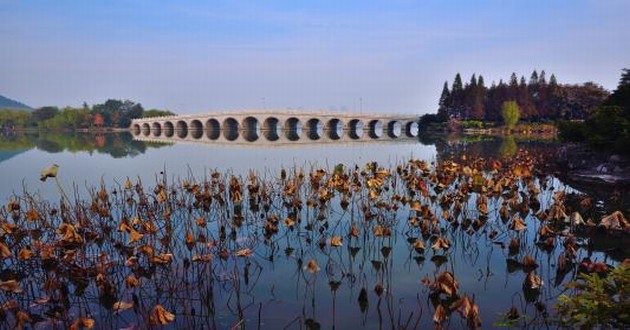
{"x": 383, "y": 56}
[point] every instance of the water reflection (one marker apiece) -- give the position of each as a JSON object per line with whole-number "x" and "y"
{"x": 117, "y": 145}
{"x": 384, "y": 245}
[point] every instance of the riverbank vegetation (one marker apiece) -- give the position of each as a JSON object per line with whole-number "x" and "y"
{"x": 111, "y": 114}
{"x": 224, "y": 251}
{"x": 584, "y": 113}
{"x": 608, "y": 127}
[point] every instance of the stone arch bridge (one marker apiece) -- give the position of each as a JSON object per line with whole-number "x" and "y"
{"x": 271, "y": 126}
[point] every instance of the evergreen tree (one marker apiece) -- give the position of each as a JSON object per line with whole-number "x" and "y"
{"x": 513, "y": 80}
{"x": 457, "y": 96}
{"x": 445, "y": 100}
{"x": 552, "y": 81}
{"x": 533, "y": 80}
{"x": 542, "y": 79}
{"x": 524, "y": 100}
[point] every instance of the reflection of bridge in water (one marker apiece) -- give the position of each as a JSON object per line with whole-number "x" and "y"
{"x": 295, "y": 127}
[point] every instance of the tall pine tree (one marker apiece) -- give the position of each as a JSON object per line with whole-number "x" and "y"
{"x": 445, "y": 100}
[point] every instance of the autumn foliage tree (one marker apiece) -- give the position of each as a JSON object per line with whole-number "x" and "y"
{"x": 538, "y": 99}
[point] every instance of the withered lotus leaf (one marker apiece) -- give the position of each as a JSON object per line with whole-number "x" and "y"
{"x": 415, "y": 205}
{"x": 9, "y": 305}
{"x": 134, "y": 236}
{"x": 378, "y": 230}
{"x": 147, "y": 250}
{"x": 441, "y": 243}
{"x": 5, "y": 253}
{"x": 615, "y": 221}
{"x": 463, "y": 305}
{"x": 10, "y": 286}
{"x": 335, "y": 241}
{"x": 545, "y": 231}
{"x": 132, "y": 281}
{"x": 575, "y": 219}
{"x": 202, "y": 258}
{"x": 32, "y": 215}
{"x": 529, "y": 262}
{"x": 517, "y": 224}
{"x": 82, "y": 323}
{"x": 163, "y": 258}
{"x": 312, "y": 266}
{"x": 190, "y": 239}
{"x": 515, "y": 245}
{"x": 131, "y": 261}
{"x": 244, "y": 253}
{"x": 354, "y": 231}
{"x": 533, "y": 281}
{"x": 439, "y": 315}
{"x": 22, "y": 317}
{"x": 25, "y": 254}
{"x": 121, "y": 306}
{"x": 49, "y": 172}
{"x": 69, "y": 233}
{"x": 160, "y": 316}
{"x": 418, "y": 245}
{"x": 557, "y": 213}
{"x": 446, "y": 283}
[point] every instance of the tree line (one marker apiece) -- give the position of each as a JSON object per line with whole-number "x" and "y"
{"x": 608, "y": 126}
{"x": 110, "y": 114}
{"x": 538, "y": 99}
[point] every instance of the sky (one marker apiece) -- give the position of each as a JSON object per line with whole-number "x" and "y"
{"x": 373, "y": 56}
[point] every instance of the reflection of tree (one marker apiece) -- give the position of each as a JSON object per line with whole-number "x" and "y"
{"x": 49, "y": 146}
{"x": 508, "y": 147}
{"x": 117, "y": 145}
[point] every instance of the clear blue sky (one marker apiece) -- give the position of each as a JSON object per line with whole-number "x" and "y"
{"x": 389, "y": 56}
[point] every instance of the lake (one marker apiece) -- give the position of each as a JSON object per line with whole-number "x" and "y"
{"x": 288, "y": 253}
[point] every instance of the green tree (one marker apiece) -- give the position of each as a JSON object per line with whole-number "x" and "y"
{"x": 156, "y": 113}
{"x": 621, "y": 96}
{"x": 511, "y": 113}
{"x": 44, "y": 113}
{"x": 118, "y": 113}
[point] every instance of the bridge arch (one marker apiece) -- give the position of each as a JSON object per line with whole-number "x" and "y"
{"x": 293, "y": 128}
{"x": 136, "y": 129}
{"x": 169, "y": 129}
{"x": 270, "y": 128}
{"x": 394, "y": 129}
{"x": 157, "y": 129}
{"x": 182, "y": 129}
{"x": 146, "y": 129}
{"x": 196, "y": 129}
{"x": 315, "y": 128}
{"x": 375, "y": 129}
{"x": 251, "y": 128}
{"x": 355, "y": 129}
{"x": 412, "y": 129}
{"x": 334, "y": 127}
{"x": 230, "y": 129}
{"x": 213, "y": 129}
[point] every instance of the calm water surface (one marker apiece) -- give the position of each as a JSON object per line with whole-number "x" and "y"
{"x": 278, "y": 291}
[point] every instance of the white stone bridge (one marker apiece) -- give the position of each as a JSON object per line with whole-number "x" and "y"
{"x": 268, "y": 126}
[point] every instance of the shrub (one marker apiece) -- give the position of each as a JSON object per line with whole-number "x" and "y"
{"x": 598, "y": 300}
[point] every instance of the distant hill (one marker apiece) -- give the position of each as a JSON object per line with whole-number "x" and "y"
{"x": 7, "y": 103}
